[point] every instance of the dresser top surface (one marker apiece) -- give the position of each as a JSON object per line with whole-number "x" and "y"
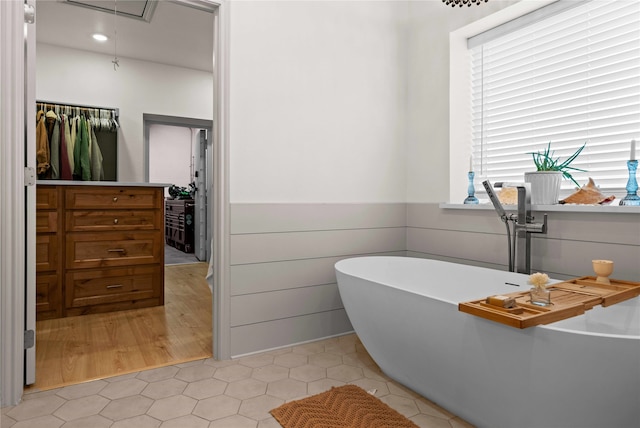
{"x": 97, "y": 183}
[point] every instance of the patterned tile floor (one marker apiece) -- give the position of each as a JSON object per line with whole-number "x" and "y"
{"x": 221, "y": 394}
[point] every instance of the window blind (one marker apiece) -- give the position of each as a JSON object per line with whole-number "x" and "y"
{"x": 568, "y": 78}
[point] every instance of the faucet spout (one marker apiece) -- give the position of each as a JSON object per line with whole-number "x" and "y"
{"x": 534, "y": 227}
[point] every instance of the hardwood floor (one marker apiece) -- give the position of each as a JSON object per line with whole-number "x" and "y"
{"x": 77, "y": 349}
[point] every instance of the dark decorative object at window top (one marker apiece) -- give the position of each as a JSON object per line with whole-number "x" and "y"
{"x": 461, "y": 3}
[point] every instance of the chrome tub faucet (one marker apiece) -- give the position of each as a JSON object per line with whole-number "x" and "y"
{"x": 519, "y": 242}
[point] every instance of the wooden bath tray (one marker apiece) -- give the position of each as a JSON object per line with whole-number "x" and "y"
{"x": 568, "y": 298}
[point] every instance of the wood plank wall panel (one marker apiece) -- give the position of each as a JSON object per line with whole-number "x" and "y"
{"x": 573, "y": 239}
{"x": 455, "y": 260}
{"x": 283, "y": 287}
{"x": 259, "y": 307}
{"x": 262, "y": 218}
{"x": 261, "y": 277}
{"x": 267, "y": 335}
{"x": 282, "y": 280}
{"x": 618, "y": 229}
{"x": 431, "y": 216}
{"x": 271, "y": 247}
{"x": 472, "y": 246}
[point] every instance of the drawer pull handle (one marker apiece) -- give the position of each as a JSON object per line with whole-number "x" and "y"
{"x": 116, "y": 250}
{"x": 115, "y": 286}
{"x": 115, "y": 221}
{"x": 115, "y": 199}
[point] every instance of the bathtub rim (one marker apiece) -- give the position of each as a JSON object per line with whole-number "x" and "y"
{"x": 430, "y": 296}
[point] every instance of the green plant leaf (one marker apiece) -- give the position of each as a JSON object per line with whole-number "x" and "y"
{"x": 544, "y": 161}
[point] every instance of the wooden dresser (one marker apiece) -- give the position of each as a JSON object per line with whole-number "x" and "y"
{"x": 99, "y": 249}
{"x": 48, "y": 260}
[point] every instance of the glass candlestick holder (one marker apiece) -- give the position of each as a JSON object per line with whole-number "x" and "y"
{"x": 632, "y": 197}
{"x": 471, "y": 190}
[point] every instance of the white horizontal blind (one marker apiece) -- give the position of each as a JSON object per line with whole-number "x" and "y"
{"x": 570, "y": 78}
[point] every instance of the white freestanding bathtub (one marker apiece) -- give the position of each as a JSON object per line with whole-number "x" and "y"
{"x": 581, "y": 372}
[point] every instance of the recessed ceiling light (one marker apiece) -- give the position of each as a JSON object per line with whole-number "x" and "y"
{"x": 100, "y": 37}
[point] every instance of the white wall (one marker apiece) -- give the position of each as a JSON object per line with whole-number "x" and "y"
{"x": 428, "y": 95}
{"x": 170, "y": 155}
{"x": 330, "y": 101}
{"x": 317, "y": 101}
{"x": 342, "y": 101}
{"x": 137, "y": 87}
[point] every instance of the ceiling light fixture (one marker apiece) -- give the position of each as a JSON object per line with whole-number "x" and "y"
{"x": 100, "y": 37}
{"x": 461, "y": 3}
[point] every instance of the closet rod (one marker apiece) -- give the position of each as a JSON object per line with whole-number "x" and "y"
{"x": 78, "y": 106}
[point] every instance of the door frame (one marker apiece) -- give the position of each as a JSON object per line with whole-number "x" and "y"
{"x": 220, "y": 233}
{"x": 12, "y": 200}
{"x": 219, "y": 201}
{"x": 182, "y": 122}
{"x": 30, "y": 209}
{"x": 157, "y": 119}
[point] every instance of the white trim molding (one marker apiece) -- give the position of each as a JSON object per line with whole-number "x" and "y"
{"x": 30, "y": 196}
{"x": 12, "y": 201}
{"x": 219, "y": 270}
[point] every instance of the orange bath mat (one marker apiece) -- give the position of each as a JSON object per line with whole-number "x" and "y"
{"x": 347, "y": 406}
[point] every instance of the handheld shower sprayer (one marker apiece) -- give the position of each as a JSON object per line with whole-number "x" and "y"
{"x": 503, "y": 216}
{"x": 494, "y": 199}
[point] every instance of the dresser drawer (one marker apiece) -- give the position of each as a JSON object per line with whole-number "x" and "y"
{"x": 113, "y": 198}
{"x": 105, "y": 249}
{"x": 107, "y": 286}
{"x": 46, "y": 253}
{"x": 46, "y": 221}
{"x": 79, "y": 221}
{"x": 179, "y": 206}
{"x": 98, "y": 248}
{"x": 46, "y": 197}
{"x": 48, "y": 297}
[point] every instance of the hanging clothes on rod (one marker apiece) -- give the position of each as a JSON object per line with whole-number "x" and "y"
{"x": 102, "y": 118}
{"x": 67, "y": 145}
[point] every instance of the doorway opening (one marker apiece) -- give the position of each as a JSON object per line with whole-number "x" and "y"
{"x": 177, "y": 152}
{"x": 75, "y": 349}
{"x": 219, "y": 223}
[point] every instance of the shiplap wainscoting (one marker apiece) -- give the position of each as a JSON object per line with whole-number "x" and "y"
{"x": 573, "y": 239}
{"x": 282, "y": 279}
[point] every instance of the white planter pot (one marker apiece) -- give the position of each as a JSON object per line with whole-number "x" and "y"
{"x": 545, "y": 186}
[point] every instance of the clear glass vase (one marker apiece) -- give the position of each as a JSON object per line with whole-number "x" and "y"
{"x": 540, "y": 296}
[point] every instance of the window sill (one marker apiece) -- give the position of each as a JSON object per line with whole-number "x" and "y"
{"x": 567, "y": 208}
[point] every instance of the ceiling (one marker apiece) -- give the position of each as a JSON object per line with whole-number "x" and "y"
{"x": 137, "y": 9}
{"x": 178, "y": 32}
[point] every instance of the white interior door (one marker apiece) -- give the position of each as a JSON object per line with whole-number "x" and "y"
{"x": 30, "y": 193}
{"x": 200, "y": 230}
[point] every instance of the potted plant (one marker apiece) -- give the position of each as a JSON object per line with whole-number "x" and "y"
{"x": 545, "y": 181}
